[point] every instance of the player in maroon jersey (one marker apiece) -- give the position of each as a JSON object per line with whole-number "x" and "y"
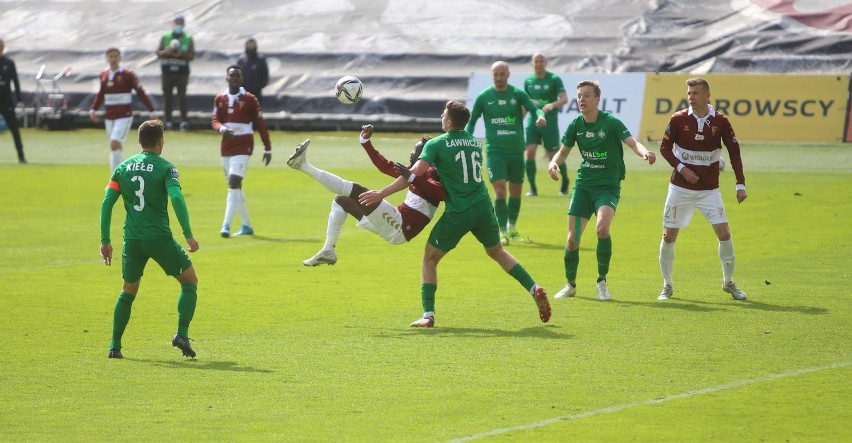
{"x": 397, "y": 225}
{"x": 116, "y": 94}
{"x": 236, "y": 115}
{"x": 692, "y": 144}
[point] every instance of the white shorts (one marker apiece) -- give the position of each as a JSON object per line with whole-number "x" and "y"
{"x": 119, "y": 128}
{"x": 235, "y": 165}
{"x": 385, "y": 221}
{"x": 681, "y": 203}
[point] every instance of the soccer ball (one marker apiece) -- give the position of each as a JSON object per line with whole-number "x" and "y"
{"x": 349, "y": 89}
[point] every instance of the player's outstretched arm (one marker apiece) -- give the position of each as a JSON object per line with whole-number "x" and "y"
{"x": 640, "y": 150}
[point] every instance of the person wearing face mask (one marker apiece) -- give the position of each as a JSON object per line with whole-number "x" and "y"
{"x": 255, "y": 70}
{"x": 175, "y": 51}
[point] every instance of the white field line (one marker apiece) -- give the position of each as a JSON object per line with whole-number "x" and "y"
{"x": 616, "y": 408}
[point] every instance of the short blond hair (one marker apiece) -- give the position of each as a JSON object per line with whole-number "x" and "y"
{"x": 695, "y": 81}
{"x": 593, "y": 83}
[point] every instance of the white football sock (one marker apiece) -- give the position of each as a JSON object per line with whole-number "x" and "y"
{"x": 667, "y": 255}
{"x": 332, "y": 182}
{"x": 114, "y": 159}
{"x": 726, "y": 254}
{"x": 336, "y": 218}
{"x": 242, "y": 208}
{"x": 231, "y": 205}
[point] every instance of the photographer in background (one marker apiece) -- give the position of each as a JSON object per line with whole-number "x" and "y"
{"x": 175, "y": 52}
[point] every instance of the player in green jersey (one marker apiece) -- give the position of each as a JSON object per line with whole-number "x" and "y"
{"x": 502, "y": 108}
{"x": 457, "y": 156}
{"x": 597, "y": 187}
{"x": 145, "y": 182}
{"x": 546, "y": 89}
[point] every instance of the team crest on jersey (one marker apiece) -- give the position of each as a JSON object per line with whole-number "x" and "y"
{"x": 513, "y": 102}
{"x": 713, "y": 129}
{"x": 602, "y": 134}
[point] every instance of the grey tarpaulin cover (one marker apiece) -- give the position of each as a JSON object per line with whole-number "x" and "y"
{"x": 414, "y": 55}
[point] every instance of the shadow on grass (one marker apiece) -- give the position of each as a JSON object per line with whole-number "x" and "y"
{"x": 683, "y": 305}
{"x": 204, "y": 365}
{"x": 286, "y": 240}
{"x": 769, "y": 307}
{"x": 546, "y": 331}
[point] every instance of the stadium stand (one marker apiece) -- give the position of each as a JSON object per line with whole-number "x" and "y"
{"x": 412, "y": 60}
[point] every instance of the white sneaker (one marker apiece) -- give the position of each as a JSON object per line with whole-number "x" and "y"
{"x": 666, "y": 292}
{"x": 567, "y": 291}
{"x": 328, "y": 257}
{"x": 603, "y": 291}
{"x": 300, "y": 155}
{"x": 731, "y": 288}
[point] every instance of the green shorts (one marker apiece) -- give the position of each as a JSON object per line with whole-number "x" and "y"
{"x": 585, "y": 201}
{"x": 167, "y": 253}
{"x": 452, "y": 226}
{"x": 547, "y": 136}
{"x": 504, "y": 166}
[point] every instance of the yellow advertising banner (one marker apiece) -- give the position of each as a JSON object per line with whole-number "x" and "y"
{"x": 759, "y": 106}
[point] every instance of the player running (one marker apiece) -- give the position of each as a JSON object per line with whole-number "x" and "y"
{"x": 397, "y": 225}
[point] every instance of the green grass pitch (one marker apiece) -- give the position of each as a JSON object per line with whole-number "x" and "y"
{"x": 289, "y": 353}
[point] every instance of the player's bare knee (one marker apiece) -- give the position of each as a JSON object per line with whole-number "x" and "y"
{"x": 602, "y": 231}
{"x": 131, "y": 288}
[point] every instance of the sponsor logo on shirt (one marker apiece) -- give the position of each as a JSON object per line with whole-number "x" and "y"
{"x": 504, "y": 120}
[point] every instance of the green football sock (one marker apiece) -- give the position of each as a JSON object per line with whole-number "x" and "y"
{"x": 522, "y": 276}
{"x": 572, "y": 261}
{"x": 502, "y": 213}
{"x": 427, "y": 296}
{"x": 531, "y": 170}
{"x": 186, "y": 307}
{"x": 604, "y": 252}
{"x": 120, "y": 318}
{"x": 563, "y": 172}
{"x": 514, "y": 210}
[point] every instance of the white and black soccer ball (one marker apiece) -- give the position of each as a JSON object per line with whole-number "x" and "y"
{"x": 349, "y": 89}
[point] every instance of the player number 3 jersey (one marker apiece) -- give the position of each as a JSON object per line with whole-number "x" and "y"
{"x": 143, "y": 181}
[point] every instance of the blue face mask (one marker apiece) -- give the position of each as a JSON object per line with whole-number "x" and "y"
{"x": 178, "y": 29}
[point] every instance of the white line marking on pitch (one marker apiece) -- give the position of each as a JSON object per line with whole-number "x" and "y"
{"x": 607, "y": 410}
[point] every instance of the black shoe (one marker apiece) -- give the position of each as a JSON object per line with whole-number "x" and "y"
{"x": 183, "y": 344}
{"x": 22, "y": 161}
{"x": 115, "y": 353}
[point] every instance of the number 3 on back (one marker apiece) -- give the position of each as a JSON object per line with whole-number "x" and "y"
{"x": 141, "y": 205}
